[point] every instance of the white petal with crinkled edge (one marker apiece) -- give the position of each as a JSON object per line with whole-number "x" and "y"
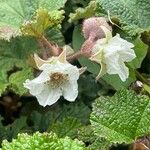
{"x": 117, "y": 40}
{"x": 121, "y": 46}
{"x": 115, "y": 66}
{"x": 127, "y": 55}
{"x": 49, "y": 95}
{"x": 36, "y": 85}
{"x": 70, "y": 91}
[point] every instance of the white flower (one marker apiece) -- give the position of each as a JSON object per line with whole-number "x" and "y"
{"x": 112, "y": 53}
{"x": 56, "y": 79}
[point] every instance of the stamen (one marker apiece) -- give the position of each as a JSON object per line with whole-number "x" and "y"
{"x": 57, "y": 79}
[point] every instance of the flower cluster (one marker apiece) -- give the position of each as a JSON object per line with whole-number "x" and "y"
{"x": 59, "y": 78}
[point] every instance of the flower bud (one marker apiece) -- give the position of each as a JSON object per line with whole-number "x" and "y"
{"x": 92, "y": 28}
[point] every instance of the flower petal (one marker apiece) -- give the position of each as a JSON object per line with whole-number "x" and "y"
{"x": 127, "y": 55}
{"x": 65, "y": 68}
{"x": 55, "y": 67}
{"x": 115, "y": 66}
{"x": 73, "y": 73}
{"x": 121, "y": 46}
{"x": 70, "y": 91}
{"x": 123, "y": 72}
{"x": 117, "y": 40}
{"x": 48, "y": 96}
{"x": 36, "y": 85}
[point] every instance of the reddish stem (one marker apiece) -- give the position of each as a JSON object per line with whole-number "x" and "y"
{"x": 75, "y": 55}
{"x": 55, "y": 51}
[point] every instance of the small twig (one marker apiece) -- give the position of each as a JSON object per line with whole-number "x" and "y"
{"x": 54, "y": 49}
{"x": 140, "y": 77}
{"x": 75, "y": 55}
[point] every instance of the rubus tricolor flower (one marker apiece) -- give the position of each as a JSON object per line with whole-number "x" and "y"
{"x": 58, "y": 78}
{"x": 112, "y": 53}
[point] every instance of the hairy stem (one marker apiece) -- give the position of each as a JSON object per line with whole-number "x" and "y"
{"x": 55, "y": 50}
{"x": 74, "y": 56}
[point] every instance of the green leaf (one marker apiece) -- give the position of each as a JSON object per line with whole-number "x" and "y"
{"x": 18, "y": 48}
{"x": 68, "y": 127}
{"x": 3, "y": 81}
{"x": 3, "y": 131}
{"x": 94, "y": 68}
{"x": 134, "y": 15}
{"x": 140, "y": 51}
{"x": 116, "y": 82}
{"x": 122, "y": 118}
{"x": 51, "y": 4}
{"x": 82, "y": 13}
{"x": 14, "y": 13}
{"x": 87, "y": 135}
{"x": 41, "y": 122}
{"x": 45, "y": 141}
{"x": 77, "y": 110}
{"x": 89, "y": 92}
{"x": 56, "y": 36}
{"x": 14, "y": 72}
{"x": 17, "y": 79}
{"x": 6, "y": 64}
{"x": 43, "y": 20}
{"x": 100, "y": 144}
{"x": 16, "y": 127}
{"x": 69, "y": 144}
{"x": 11, "y": 131}
{"x": 146, "y": 88}
{"x": 14, "y": 69}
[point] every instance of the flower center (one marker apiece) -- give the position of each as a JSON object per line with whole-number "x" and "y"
{"x": 57, "y": 79}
